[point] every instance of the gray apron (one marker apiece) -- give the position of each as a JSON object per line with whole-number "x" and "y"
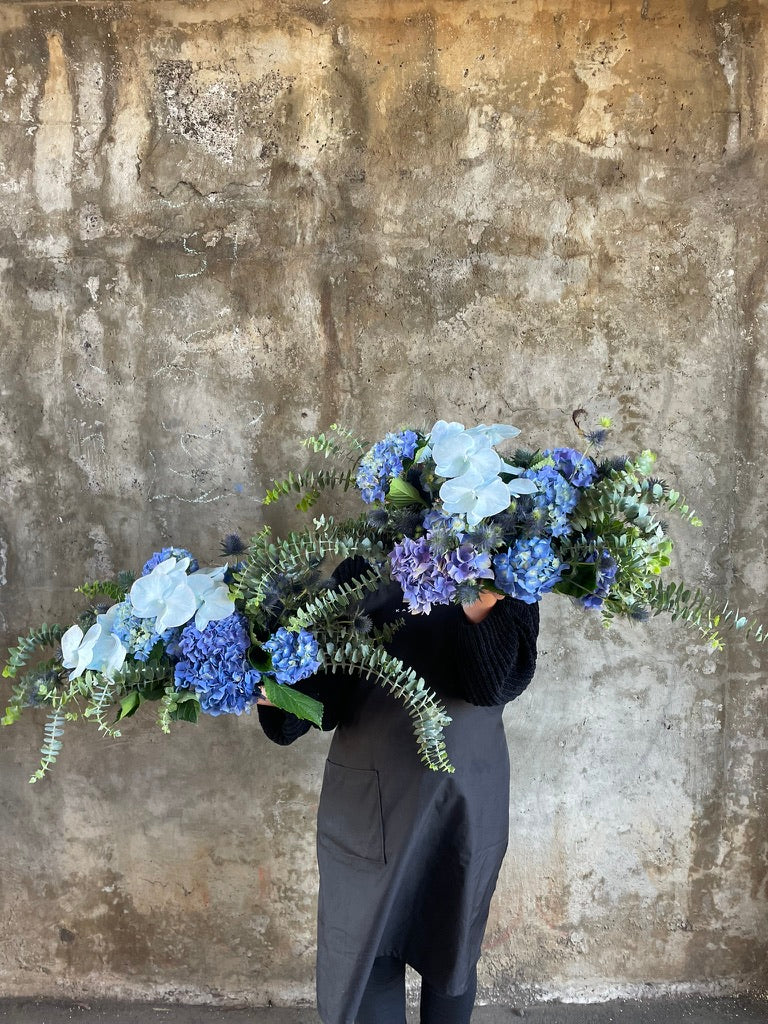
{"x": 408, "y": 858}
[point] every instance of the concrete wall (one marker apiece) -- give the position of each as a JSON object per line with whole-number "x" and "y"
{"x": 227, "y": 224}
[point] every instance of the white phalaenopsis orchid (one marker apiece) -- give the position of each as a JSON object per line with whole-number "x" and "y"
{"x": 99, "y": 650}
{"x": 171, "y": 596}
{"x": 472, "y": 468}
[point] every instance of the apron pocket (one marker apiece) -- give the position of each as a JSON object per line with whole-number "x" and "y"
{"x": 349, "y": 818}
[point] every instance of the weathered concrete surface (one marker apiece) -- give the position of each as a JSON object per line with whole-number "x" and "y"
{"x": 693, "y": 1010}
{"x": 226, "y": 224}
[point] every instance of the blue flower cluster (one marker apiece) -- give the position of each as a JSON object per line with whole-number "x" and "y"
{"x": 606, "y": 574}
{"x": 214, "y": 664}
{"x": 528, "y": 569}
{"x": 430, "y": 577}
{"x": 383, "y": 462}
{"x": 578, "y": 468}
{"x": 138, "y": 635}
{"x": 554, "y": 500}
{"x": 160, "y": 556}
{"x": 294, "y": 655}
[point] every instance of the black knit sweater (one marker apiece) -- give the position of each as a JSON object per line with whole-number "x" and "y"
{"x": 486, "y": 663}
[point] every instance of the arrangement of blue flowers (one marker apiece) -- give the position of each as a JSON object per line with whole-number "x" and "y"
{"x": 444, "y": 514}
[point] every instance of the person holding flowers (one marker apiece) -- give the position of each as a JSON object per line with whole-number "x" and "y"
{"x": 409, "y": 858}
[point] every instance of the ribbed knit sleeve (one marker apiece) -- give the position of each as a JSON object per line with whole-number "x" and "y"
{"x": 494, "y": 660}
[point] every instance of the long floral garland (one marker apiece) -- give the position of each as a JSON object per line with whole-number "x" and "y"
{"x": 447, "y": 516}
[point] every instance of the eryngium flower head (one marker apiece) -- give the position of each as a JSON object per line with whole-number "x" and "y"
{"x": 609, "y": 465}
{"x": 232, "y": 545}
{"x": 596, "y": 437}
{"x": 215, "y": 666}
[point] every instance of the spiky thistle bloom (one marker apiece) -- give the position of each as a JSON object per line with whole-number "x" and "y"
{"x": 294, "y": 655}
{"x": 160, "y": 556}
{"x": 596, "y": 437}
{"x": 214, "y": 664}
{"x": 528, "y": 569}
{"x": 232, "y": 545}
{"x": 488, "y": 535}
{"x": 615, "y": 463}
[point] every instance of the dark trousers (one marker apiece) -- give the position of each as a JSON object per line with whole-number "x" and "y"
{"x": 384, "y": 998}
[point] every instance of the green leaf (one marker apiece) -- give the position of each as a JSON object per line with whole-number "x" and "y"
{"x": 187, "y": 710}
{"x": 129, "y": 705}
{"x": 401, "y": 493}
{"x": 581, "y": 580}
{"x": 294, "y": 701}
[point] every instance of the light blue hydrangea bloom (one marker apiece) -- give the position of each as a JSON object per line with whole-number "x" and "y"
{"x": 294, "y": 655}
{"x": 528, "y": 569}
{"x": 384, "y": 462}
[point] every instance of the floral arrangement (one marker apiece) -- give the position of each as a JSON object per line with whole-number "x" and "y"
{"x": 446, "y": 517}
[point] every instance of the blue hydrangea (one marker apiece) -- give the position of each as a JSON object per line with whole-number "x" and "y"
{"x": 384, "y": 462}
{"x": 138, "y": 635}
{"x": 215, "y": 666}
{"x": 553, "y": 501}
{"x": 576, "y": 467}
{"x": 419, "y": 573}
{"x": 528, "y": 569}
{"x": 606, "y": 574}
{"x": 160, "y": 556}
{"x": 294, "y": 655}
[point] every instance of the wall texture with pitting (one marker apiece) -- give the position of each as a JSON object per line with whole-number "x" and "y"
{"x": 227, "y": 224}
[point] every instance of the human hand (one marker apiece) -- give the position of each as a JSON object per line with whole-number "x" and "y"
{"x": 478, "y": 610}
{"x": 264, "y": 700}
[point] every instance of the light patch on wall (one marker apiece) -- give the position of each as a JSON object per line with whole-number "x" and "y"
{"x": 54, "y": 140}
{"x": 3, "y": 562}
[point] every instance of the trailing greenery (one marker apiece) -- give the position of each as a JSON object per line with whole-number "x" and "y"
{"x": 698, "y": 609}
{"x": 429, "y": 715}
{"x": 311, "y": 483}
{"x": 33, "y": 642}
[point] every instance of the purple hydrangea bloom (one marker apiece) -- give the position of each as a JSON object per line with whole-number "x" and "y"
{"x": 467, "y": 563}
{"x": 214, "y": 664}
{"x": 576, "y": 467}
{"x": 606, "y": 574}
{"x": 160, "y": 556}
{"x": 528, "y": 569}
{"x": 421, "y": 576}
{"x": 384, "y": 462}
{"x": 294, "y": 655}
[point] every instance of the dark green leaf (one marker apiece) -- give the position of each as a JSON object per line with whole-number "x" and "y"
{"x": 297, "y": 703}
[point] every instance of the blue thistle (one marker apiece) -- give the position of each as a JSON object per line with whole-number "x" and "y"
{"x": 232, "y": 545}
